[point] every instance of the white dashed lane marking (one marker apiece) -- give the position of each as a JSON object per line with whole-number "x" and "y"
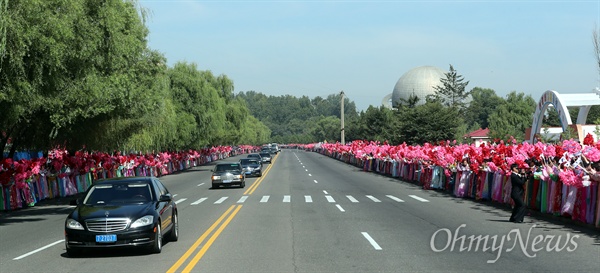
{"x": 395, "y": 198}
{"x": 373, "y": 198}
{"x": 264, "y": 199}
{"x": 199, "y": 201}
{"x": 352, "y": 199}
{"x": 221, "y": 200}
{"x": 419, "y": 198}
{"x": 371, "y": 240}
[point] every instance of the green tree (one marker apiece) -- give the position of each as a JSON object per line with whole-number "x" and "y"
{"x": 551, "y": 118}
{"x": 481, "y": 107}
{"x": 326, "y": 129}
{"x": 194, "y": 94}
{"x": 452, "y": 91}
{"x": 65, "y": 63}
{"x": 512, "y": 117}
{"x": 430, "y": 122}
{"x": 411, "y": 102}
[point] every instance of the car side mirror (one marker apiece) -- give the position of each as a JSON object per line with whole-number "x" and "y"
{"x": 74, "y": 202}
{"x": 165, "y": 197}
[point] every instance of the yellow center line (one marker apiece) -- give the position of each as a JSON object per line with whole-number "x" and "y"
{"x": 216, "y": 234}
{"x": 198, "y": 242}
{"x": 252, "y": 188}
{"x": 206, "y": 246}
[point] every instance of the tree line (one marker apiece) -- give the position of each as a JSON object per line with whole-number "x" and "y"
{"x": 79, "y": 74}
{"x": 449, "y": 114}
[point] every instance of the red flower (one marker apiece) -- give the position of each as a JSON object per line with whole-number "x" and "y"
{"x": 588, "y": 140}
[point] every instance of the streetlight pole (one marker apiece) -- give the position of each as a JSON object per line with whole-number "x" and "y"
{"x": 342, "y": 117}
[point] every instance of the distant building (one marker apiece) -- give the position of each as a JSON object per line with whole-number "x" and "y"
{"x": 479, "y": 136}
{"x": 419, "y": 82}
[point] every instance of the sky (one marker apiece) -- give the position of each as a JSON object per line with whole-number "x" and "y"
{"x": 319, "y": 48}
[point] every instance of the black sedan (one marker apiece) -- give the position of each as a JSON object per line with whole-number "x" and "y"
{"x": 228, "y": 174}
{"x": 266, "y": 157}
{"x": 122, "y": 212}
{"x": 251, "y": 166}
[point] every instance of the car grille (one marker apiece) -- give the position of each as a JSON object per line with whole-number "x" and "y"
{"x": 229, "y": 176}
{"x": 107, "y": 224}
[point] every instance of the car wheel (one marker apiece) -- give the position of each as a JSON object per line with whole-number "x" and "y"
{"x": 243, "y": 185}
{"x": 157, "y": 246}
{"x": 214, "y": 186}
{"x": 174, "y": 233}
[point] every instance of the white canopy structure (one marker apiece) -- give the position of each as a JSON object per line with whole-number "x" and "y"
{"x": 560, "y": 102}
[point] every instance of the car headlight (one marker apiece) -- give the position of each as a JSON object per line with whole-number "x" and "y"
{"x": 216, "y": 177}
{"x": 73, "y": 224}
{"x": 239, "y": 176}
{"x": 144, "y": 221}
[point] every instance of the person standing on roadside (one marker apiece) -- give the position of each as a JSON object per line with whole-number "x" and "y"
{"x": 517, "y": 181}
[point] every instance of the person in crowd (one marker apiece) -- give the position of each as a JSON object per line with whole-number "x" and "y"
{"x": 518, "y": 177}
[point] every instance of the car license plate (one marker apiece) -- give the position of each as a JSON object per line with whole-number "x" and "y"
{"x": 108, "y": 238}
{"x": 226, "y": 181}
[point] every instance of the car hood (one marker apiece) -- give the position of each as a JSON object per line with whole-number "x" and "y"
{"x": 226, "y": 172}
{"x": 84, "y": 212}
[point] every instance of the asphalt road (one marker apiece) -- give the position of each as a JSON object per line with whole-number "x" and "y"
{"x": 311, "y": 213}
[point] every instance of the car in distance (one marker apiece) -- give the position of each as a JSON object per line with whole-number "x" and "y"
{"x": 122, "y": 212}
{"x": 228, "y": 174}
{"x": 266, "y": 157}
{"x": 251, "y": 166}
{"x": 255, "y": 156}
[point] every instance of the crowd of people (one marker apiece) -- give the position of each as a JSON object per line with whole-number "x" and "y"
{"x": 558, "y": 178}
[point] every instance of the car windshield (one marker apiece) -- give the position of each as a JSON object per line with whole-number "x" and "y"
{"x": 265, "y": 155}
{"x": 227, "y": 167}
{"x": 104, "y": 194}
{"x": 248, "y": 161}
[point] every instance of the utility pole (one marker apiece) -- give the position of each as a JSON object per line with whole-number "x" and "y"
{"x": 342, "y": 118}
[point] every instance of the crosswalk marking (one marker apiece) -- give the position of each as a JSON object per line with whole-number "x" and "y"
{"x": 199, "y": 201}
{"x": 221, "y": 200}
{"x": 352, "y": 199}
{"x": 373, "y": 198}
{"x": 307, "y": 199}
{"x": 395, "y": 198}
{"x": 419, "y": 198}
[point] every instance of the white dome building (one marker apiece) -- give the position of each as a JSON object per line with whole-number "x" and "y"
{"x": 419, "y": 81}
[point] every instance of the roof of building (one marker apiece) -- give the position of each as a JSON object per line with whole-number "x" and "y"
{"x": 479, "y": 133}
